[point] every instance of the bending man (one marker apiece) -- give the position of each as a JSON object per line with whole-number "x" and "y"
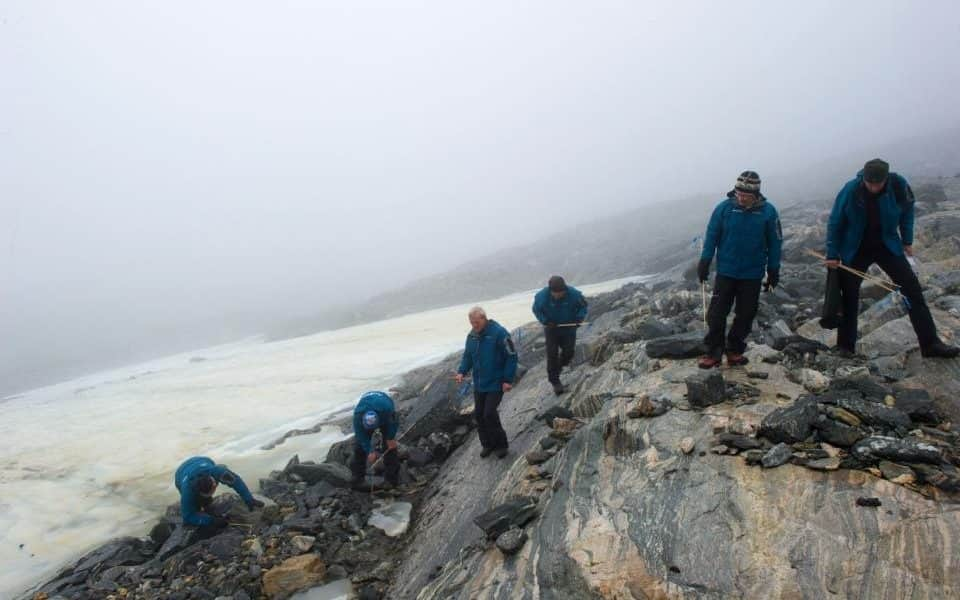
{"x": 375, "y": 411}
{"x": 197, "y": 480}
{"x": 560, "y": 308}
{"x": 872, "y": 222}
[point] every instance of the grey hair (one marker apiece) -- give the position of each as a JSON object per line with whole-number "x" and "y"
{"x": 476, "y": 311}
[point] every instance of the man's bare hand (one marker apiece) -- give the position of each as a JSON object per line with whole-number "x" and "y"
{"x": 831, "y": 263}
{"x": 372, "y": 457}
{"x": 391, "y": 444}
{"x": 507, "y": 387}
{"x": 908, "y": 250}
{"x": 458, "y": 378}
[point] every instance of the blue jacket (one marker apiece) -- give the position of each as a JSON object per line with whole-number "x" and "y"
{"x": 380, "y": 403}
{"x": 491, "y": 356}
{"x": 195, "y": 468}
{"x": 746, "y": 241}
{"x": 572, "y": 308}
{"x": 848, "y": 219}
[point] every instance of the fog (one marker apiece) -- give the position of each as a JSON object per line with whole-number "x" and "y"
{"x": 182, "y": 173}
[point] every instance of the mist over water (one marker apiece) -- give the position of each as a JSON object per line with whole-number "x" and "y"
{"x": 93, "y": 458}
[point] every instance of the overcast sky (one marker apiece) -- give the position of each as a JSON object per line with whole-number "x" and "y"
{"x": 170, "y": 166}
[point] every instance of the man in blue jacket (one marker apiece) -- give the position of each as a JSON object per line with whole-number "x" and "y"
{"x": 375, "y": 411}
{"x": 872, "y": 222}
{"x": 196, "y": 480}
{"x": 488, "y": 352}
{"x": 744, "y": 232}
{"x": 560, "y": 308}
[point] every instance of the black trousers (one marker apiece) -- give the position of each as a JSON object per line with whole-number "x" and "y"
{"x": 561, "y": 344}
{"x": 489, "y": 428}
{"x": 727, "y": 293}
{"x": 391, "y": 463}
{"x": 898, "y": 269}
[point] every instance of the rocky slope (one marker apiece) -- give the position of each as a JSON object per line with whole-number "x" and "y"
{"x": 802, "y": 475}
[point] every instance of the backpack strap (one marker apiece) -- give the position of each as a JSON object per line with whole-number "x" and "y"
{"x": 901, "y": 191}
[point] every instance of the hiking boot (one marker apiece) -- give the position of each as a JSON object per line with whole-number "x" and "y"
{"x": 841, "y": 352}
{"x": 486, "y": 452}
{"x": 501, "y": 452}
{"x": 708, "y": 362}
{"x": 735, "y": 359}
{"x": 558, "y": 388}
{"x": 939, "y": 350}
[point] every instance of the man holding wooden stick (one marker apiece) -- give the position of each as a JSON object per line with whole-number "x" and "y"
{"x": 745, "y": 235}
{"x": 561, "y": 308}
{"x": 872, "y": 222}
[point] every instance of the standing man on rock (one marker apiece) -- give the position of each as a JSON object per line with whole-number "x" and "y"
{"x": 560, "y": 308}
{"x": 375, "y": 410}
{"x": 489, "y": 352}
{"x": 872, "y": 222}
{"x": 196, "y": 480}
{"x": 745, "y": 234}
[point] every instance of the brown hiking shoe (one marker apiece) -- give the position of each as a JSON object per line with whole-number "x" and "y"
{"x": 735, "y": 359}
{"x": 708, "y": 362}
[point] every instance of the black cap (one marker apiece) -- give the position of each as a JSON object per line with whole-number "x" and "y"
{"x": 557, "y": 284}
{"x": 876, "y": 171}
{"x": 205, "y": 485}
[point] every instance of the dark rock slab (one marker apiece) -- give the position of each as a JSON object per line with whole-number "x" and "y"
{"x": 511, "y": 541}
{"x": 536, "y": 457}
{"x": 705, "y": 388}
{"x": 515, "y": 513}
{"x": 182, "y": 537}
{"x": 554, "y": 412}
{"x": 864, "y": 386}
{"x": 683, "y": 345}
{"x": 869, "y": 502}
{"x": 917, "y": 404}
{"x": 776, "y": 456}
{"x": 836, "y": 433}
{"x": 743, "y": 442}
{"x": 419, "y": 457}
{"x": 876, "y": 448}
{"x": 791, "y": 423}
{"x": 333, "y": 473}
{"x": 874, "y": 413}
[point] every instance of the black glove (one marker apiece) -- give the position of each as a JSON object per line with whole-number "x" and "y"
{"x": 773, "y": 279}
{"x": 703, "y": 269}
{"x": 220, "y": 522}
{"x": 255, "y": 504}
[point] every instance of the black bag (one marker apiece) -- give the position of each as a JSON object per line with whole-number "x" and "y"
{"x": 832, "y": 302}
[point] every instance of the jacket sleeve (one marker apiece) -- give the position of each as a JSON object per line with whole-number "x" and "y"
{"x": 906, "y": 215}
{"x": 393, "y": 424}
{"x": 774, "y": 241}
{"x": 188, "y": 507}
{"x": 836, "y": 225}
{"x": 228, "y": 477}
{"x": 466, "y": 363}
{"x": 538, "y": 305}
{"x": 360, "y": 435}
{"x": 581, "y": 309}
{"x": 712, "y": 237}
{"x": 510, "y": 354}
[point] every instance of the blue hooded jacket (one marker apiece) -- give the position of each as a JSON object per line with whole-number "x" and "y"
{"x": 195, "y": 468}
{"x": 848, "y": 219}
{"x": 572, "y": 308}
{"x": 382, "y": 404}
{"x": 491, "y": 356}
{"x": 747, "y": 241}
